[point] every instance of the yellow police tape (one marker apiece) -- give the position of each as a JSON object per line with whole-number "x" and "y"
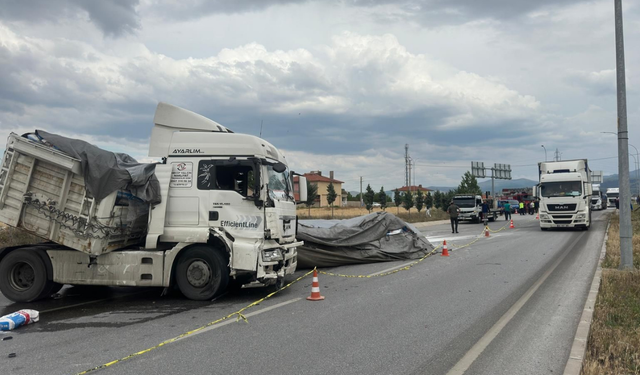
{"x": 169, "y": 341}
{"x": 241, "y": 316}
{"x": 416, "y": 262}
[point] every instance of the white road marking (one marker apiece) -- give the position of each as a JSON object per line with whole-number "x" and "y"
{"x": 450, "y": 239}
{"x": 477, "y": 349}
{"x": 246, "y": 315}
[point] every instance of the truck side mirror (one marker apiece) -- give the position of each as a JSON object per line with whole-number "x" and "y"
{"x": 302, "y": 188}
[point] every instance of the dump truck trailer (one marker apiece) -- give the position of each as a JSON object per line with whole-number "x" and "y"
{"x": 218, "y": 210}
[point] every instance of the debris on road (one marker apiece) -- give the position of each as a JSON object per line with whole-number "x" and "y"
{"x": 377, "y": 237}
{"x": 17, "y": 319}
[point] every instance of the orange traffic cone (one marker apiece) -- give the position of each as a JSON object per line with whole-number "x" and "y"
{"x": 445, "y": 251}
{"x": 537, "y": 216}
{"x": 511, "y": 225}
{"x": 315, "y": 288}
{"x": 486, "y": 231}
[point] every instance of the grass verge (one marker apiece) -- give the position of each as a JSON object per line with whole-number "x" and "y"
{"x": 614, "y": 340}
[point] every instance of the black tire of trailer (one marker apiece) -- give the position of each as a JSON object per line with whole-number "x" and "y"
{"x": 198, "y": 259}
{"x": 24, "y": 275}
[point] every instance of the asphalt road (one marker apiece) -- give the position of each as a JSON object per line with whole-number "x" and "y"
{"x": 507, "y": 304}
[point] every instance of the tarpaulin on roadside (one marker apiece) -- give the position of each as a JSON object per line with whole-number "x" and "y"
{"x": 377, "y": 237}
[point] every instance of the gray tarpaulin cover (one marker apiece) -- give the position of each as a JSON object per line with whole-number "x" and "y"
{"x": 105, "y": 171}
{"x": 377, "y": 237}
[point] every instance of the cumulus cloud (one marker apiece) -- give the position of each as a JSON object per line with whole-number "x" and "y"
{"x": 339, "y": 86}
{"x": 597, "y": 83}
{"x": 426, "y": 12}
{"x": 357, "y": 81}
{"x": 113, "y": 17}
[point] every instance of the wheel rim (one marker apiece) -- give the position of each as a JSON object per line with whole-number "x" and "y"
{"x": 22, "y": 276}
{"x": 199, "y": 273}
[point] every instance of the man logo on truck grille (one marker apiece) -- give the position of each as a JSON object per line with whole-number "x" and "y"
{"x": 243, "y": 222}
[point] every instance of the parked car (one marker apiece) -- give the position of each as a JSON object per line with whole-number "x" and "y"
{"x": 376, "y": 204}
{"x": 514, "y": 204}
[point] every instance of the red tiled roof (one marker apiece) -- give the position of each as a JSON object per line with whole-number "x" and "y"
{"x": 312, "y": 177}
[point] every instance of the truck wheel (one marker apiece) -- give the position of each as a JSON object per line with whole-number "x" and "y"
{"x": 23, "y": 276}
{"x": 201, "y": 273}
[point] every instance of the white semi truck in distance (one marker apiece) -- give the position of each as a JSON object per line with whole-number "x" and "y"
{"x": 227, "y": 215}
{"x": 598, "y": 198}
{"x": 471, "y": 208}
{"x": 612, "y": 195}
{"x": 565, "y": 192}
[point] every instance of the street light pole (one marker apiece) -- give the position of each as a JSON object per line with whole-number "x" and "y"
{"x": 626, "y": 249}
{"x": 545, "y": 152}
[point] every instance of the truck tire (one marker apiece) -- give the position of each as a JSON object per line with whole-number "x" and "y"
{"x": 23, "y": 276}
{"x": 201, "y": 273}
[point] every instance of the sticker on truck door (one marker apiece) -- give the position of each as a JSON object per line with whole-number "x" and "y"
{"x": 243, "y": 222}
{"x": 181, "y": 175}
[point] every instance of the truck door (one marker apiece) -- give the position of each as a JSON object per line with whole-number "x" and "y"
{"x": 231, "y": 206}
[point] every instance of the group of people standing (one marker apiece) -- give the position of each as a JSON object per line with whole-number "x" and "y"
{"x": 523, "y": 208}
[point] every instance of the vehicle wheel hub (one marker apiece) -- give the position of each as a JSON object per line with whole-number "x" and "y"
{"x": 198, "y": 273}
{"x": 22, "y": 276}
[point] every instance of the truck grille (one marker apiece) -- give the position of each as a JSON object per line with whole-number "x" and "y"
{"x": 562, "y": 221}
{"x": 562, "y": 216}
{"x": 562, "y": 207}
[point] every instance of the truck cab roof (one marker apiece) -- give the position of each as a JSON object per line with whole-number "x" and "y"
{"x": 180, "y": 132}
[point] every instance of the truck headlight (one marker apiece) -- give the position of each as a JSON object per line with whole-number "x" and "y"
{"x": 581, "y": 216}
{"x": 544, "y": 217}
{"x": 272, "y": 255}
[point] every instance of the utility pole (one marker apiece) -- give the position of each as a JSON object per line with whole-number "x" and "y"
{"x": 626, "y": 250}
{"x": 407, "y": 167}
{"x": 556, "y": 157}
{"x": 361, "y": 200}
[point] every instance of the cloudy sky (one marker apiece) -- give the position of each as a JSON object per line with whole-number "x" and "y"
{"x": 339, "y": 85}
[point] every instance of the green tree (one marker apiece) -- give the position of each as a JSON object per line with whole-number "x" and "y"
{"x": 383, "y": 198}
{"x": 397, "y": 199}
{"x": 368, "y": 198}
{"x": 428, "y": 200}
{"x": 407, "y": 201}
{"x": 447, "y": 198}
{"x": 419, "y": 200}
{"x": 469, "y": 185}
{"x": 437, "y": 199}
{"x": 312, "y": 194}
{"x": 331, "y": 196}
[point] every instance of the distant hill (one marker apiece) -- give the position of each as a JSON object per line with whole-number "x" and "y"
{"x": 611, "y": 181}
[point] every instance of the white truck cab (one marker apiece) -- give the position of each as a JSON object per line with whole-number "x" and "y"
{"x": 471, "y": 208}
{"x": 565, "y": 194}
{"x": 612, "y": 195}
{"x": 227, "y": 215}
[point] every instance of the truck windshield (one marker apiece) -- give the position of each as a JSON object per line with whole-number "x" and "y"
{"x": 613, "y": 195}
{"x": 279, "y": 184}
{"x": 561, "y": 189}
{"x": 465, "y": 203}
